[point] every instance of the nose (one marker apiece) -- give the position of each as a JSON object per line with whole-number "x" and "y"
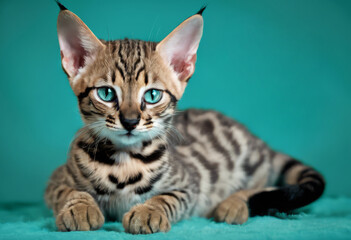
{"x": 129, "y": 124}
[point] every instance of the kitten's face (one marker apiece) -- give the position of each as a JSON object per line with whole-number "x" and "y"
{"x": 128, "y": 93}
{"x": 127, "y": 89}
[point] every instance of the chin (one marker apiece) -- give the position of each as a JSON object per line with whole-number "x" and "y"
{"x": 123, "y": 139}
{"x": 128, "y": 140}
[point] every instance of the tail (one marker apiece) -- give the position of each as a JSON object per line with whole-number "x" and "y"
{"x": 297, "y": 186}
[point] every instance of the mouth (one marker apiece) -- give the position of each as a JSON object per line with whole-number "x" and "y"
{"x": 129, "y": 134}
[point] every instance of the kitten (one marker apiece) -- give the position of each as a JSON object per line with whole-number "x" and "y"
{"x": 138, "y": 161}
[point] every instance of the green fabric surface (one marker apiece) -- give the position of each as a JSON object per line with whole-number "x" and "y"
{"x": 328, "y": 218}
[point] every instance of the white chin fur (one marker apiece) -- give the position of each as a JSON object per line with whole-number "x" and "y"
{"x": 119, "y": 138}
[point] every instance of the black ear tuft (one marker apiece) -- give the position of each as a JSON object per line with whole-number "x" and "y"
{"x": 60, "y": 6}
{"x": 201, "y": 10}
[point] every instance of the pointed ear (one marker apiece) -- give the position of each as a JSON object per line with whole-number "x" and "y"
{"x": 77, "y": 43}
{"x": 179, "y": 48}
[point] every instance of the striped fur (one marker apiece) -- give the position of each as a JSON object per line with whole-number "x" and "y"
{"x": 175, "y": 165}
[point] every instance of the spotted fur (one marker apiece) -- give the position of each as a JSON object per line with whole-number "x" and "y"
{"x": 173, "y": 164}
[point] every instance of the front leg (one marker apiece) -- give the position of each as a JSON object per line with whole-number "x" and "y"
{"x": 157, "y": 213}
{"x": 74, "y": 210}
{"x": 79, "y": 213}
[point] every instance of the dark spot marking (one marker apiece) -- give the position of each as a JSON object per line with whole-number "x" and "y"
{"x": 134, "y": 179}
{"x": 157, "y": 154}
{"x": 147, "y": 143}
{"x": 251, "y": 169}
{"x": 100, "y": 190}
{"x": 112, "y": 178}
{"x": 142, "y": 190}
{"x": 131, "y": 180}
{"x": 100, "y": 152}
{"x": 207, "y": 127}
{"x": 110, "y": 121}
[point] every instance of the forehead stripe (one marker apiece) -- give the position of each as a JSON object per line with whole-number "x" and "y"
{"x": 146, "y": 78}
{"x": 113, "y": 76}
{"x": 121, "y": 57}
{"x": 138, "y": 73}
{"x": 120, "y": 70}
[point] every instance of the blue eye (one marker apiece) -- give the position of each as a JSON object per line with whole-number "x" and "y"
{"x": 153, "y": 96}
{"x": 107, "y": 94}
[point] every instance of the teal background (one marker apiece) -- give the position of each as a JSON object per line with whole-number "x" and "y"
{"x": 283, "y": 68}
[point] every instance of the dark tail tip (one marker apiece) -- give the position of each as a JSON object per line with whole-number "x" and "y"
{"x": 201, "y": 10}
{"x": 60, "y": 6}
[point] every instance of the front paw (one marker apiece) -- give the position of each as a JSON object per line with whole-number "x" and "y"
{"x": 145, "y": 219}
{"x": 80, "y": 216}
{"x": 233, "y": 210}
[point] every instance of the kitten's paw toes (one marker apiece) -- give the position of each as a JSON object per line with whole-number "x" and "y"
{"x": 232, "y": 211}
{"x": 145, "y": 219}
{"x": 80, "y": 217}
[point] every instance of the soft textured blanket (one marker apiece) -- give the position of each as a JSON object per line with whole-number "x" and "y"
{"x": 328, "y": 218}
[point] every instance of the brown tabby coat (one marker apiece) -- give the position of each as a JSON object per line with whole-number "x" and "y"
{"x": 171, "y": 165}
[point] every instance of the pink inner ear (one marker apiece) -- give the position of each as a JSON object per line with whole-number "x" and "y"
{"x": 180, "y": 46}
{"x": 72, "y": 54}
{"x": 184, "y": 67}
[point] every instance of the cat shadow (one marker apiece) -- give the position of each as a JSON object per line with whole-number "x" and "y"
{"x": 113, "y": 228}
{"x": 311, "y": 211}
{"x": 50, "y": 226}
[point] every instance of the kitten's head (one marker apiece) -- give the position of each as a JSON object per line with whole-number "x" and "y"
{"x": 127, "y": 89}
